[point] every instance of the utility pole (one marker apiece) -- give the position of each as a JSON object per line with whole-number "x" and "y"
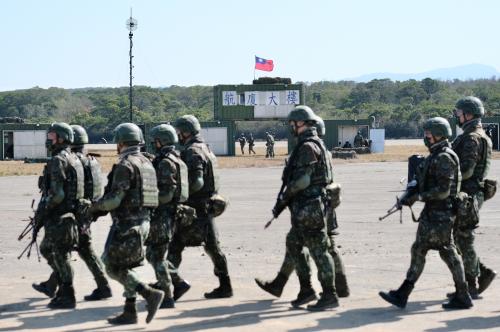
{"x": 131, "y": 25}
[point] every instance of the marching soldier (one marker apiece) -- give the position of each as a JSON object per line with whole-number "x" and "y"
{"x": 62, "y": 187}
{"x": 437, "y": 185}
{"x": 130, "y": 195}
{"x": 173, "y": 186}
{"x": 203, "y": 185}
{"x": 473, "y": 147}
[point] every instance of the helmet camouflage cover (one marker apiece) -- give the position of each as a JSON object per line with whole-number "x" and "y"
{"x": 164, "y": 133}
{"x": 471, "y": 105}
{"x": 63, "y": 130}
{"x": 188, "y": 124}
{"x": 80, "y": 136}
{"x": 438, "y": 127}
{"x": 128, "y": 133}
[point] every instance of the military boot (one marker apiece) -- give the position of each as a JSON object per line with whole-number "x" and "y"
{"x": 180, "y": 288}
{"x": 224, "y": 290}
{"x": 341, "y": 285}
{"x": 327, "y": 300}
{"x": 153, "y": 299}
{"x": 274, "y": 287}
{"x": 306, "y": 294}
{"x": 100, "y": 293}
{"x": 48, "y": 287}
{"x": 398, "y": 297}
{"x": 461, "y": 300}
{"x": 65, "y": 299}
{"x": 472, "y": 287}
{"x": 129, "y": 315}
{"x": 486, "y": 276}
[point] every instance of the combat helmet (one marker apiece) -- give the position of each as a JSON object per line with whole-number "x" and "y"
{"x": 438, "y": 127}
{"x": 63, "y": 130}
{"x": 302, "y": 113}
{"x": 164, "y": 133}
{"x": 471, "y": 105}
{"x": 80, "y": 136}
{"x": 188, "y": 124}
{"x": 320, "y": 126}
{"x": 128, "y": 133}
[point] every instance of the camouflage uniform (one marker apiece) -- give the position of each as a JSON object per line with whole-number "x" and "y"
{"x": 199, "y": 160}
{"x": 242, "y": 141}
{"x": 130, "y": 195}
{"x": 308, "y": 211}
{"x": 251, "y": 144}
{"x": 358, "y": 140}
{"x": 438, "y": 178}
{"x": 269, "y": 146}
{"x": 473, "y": 148}
{"x": 170, "y": 172}
{"x": 62, "y": 187}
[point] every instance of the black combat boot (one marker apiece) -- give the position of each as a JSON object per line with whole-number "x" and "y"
{"x": 274, "y": 287}
{"x": 224, "y": 290}
{"x": 486, "y": 276}
{"x": 180, "y": 288}
{"x": 100, "y": 293}
{"x": 167, "y": 303}
{"x": 341, "y": 285}
{"x": 306, "y": 294}
{"x": 65, "y": 299}
{"x": 398, "y": 297}
{"x": 327, "y": 300}
{"x": 129, "y": 315}
{"x": 153, "y": 299}
{"x": 48, "y": 287}
{"x": 472, "y": 288}
{"x": 461, "y": 299}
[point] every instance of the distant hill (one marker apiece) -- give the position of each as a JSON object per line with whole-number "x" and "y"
{"x": 465, "y": 72}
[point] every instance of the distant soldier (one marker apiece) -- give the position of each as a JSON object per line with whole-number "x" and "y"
{"x": 173, "y": 186}
{"x": 251, "y": 144}
{"x": 62, "y": 187}
{"x": 130, "y": 195}
{"x": 359, "y": 140}
{"x": 269, "y": 145}
{"x": 473, "y": 147}
{"x": 243, "y": 140}
{"x": 347, "y": 145}
{"x": 306, "y": 175}
{"x": 275, "y": 287}
{"x": 437, "y": 185}
{"x": 203, "y": 187}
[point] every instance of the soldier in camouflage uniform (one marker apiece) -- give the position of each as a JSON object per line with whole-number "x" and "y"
{"x": 251, "y": 144}
{"x": 92, "y": 191}
{"x": 173, "y": 186}
{"x": 203, "y": 184}
{"x": 437, "y": 184}
{"x": 275, "y": 287}
{"x": 62, "y": 188}
{"x": 243, "y": 141}
{"x": 130, "y": 195}
{"x": 305, "y": 178}
{"x": 269, "y": 145}
{"x": 473, "y": 147}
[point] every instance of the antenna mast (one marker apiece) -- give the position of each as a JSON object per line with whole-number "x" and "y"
{"x": 131, "y": 25}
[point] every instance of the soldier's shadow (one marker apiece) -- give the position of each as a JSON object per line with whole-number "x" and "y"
{"x": 27, "y": 312}
{"x": 245, "y": 313}
{"x": 469, "y": 323}
{"x": 356, "y": 318}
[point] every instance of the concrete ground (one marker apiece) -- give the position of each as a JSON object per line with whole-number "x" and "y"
{"x": 376, "y": 255}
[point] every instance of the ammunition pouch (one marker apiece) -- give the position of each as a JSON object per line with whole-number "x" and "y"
{"x": 467, "y": 211}
{"x": 216, "y": 205}
{"x": 184, "y": 215}
{"x": 333, "y": 197}
{"x": 65, "y": 231}
{"x": 489, "y": 188}
{"x": 125, "y": 249}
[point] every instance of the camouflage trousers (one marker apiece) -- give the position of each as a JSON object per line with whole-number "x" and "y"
{"x": 288, "y": 265}
{"x": 93, "y": 262}
{"x": 464, "y": 240}
{"x": 435, "y": 233}
{"x": 203, "y": 232}
{"x": 157, "y": 246}
{"x": 128, "y": 243}
{"x": 56, "y": 247}
{"x": 317, "y": 243}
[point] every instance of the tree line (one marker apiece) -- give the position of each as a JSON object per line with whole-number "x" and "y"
{"x": 400, "y": 107}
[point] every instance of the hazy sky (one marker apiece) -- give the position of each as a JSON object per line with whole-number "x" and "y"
{"x": 186, "y": 42}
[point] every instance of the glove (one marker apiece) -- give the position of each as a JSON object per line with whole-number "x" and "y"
{"x": 279, "y": 207}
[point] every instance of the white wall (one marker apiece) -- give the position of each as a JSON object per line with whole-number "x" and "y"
{"x": 29, "y": 144}
{"x": 216, "y": 138}
{"x": 378, "y": 140}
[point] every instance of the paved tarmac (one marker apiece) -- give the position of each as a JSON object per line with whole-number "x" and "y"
{"x": 376, "y": 255}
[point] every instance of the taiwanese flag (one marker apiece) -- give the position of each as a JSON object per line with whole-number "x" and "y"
{"x": 263, "y": 64}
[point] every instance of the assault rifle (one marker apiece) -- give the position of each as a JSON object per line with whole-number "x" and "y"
{"x": 280, "y": 205}
{"x": 32, "y": 228}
